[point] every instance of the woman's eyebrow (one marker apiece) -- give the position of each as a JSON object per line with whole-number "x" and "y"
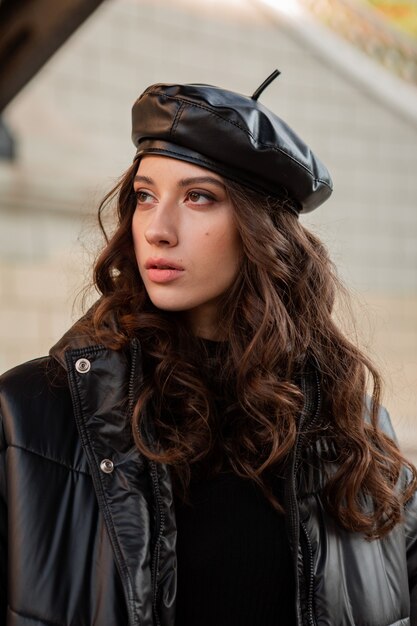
{"x": 184, "y": 182}
{"x": 143, "y": 179}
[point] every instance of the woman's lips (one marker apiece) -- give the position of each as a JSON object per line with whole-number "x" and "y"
{"x": 162, "y": 270}
{"x": 161, "y": 275}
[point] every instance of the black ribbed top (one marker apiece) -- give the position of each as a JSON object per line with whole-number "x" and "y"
{"x": 234, "y": 562}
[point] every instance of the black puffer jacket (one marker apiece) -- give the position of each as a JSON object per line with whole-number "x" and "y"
{"x": 87, "y": 529}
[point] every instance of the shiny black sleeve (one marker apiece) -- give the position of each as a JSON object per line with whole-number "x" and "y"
{"x": 3, "y": 527}
{"x": 411, "y": 540}
{"x": 410, "y": 519}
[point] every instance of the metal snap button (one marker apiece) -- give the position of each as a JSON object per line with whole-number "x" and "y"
{"x": 107, "y": 466}
{"x": 82, "y": 366}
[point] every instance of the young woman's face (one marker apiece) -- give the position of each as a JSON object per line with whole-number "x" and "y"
{"x": 186, "y": 242}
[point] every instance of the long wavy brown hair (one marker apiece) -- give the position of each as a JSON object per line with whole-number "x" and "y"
{"x": 277, "y": 321}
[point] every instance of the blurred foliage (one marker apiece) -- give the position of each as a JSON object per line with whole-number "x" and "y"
{"x": 402, "y": 14}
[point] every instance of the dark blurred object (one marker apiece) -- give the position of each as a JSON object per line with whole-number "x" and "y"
{"x": 7, "y": 143}
{"x": 30, "y": 32}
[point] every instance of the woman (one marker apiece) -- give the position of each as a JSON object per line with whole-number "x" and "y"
{"x": 200, "y": 449}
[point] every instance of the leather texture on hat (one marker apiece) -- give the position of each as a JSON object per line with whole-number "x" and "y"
{"x": 231, "y": 134}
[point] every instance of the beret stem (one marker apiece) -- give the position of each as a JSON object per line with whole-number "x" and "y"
{"x": 265, "y": 84}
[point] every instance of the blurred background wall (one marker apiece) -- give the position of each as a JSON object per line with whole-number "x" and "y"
{"x": 71, "y": 126}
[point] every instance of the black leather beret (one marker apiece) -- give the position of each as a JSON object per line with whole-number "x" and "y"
{"x": 232, "y": 135}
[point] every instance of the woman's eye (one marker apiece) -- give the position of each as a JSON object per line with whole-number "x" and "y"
{"x": 197, "y": 197}
{"x": 142, "y": 197}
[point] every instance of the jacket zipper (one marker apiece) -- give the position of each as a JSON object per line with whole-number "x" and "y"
{"x": 160, "y": 522}
{"x": 294, "y": 524}
{"x": 312, "y": 421}
{"x": 132, "y": 379}
{"x": 310, "y": 614}
{"x": 294, "y": 507}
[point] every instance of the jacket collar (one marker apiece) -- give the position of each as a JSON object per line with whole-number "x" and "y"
{"x": 77, "y": 338}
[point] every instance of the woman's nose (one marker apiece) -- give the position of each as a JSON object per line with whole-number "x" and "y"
{"x": 162, "y": 229}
